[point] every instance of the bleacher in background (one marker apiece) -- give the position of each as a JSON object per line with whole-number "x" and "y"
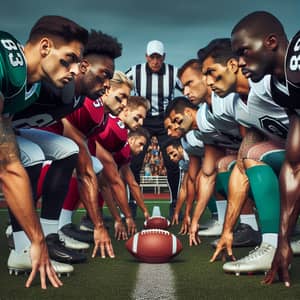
{"x": 157, "y": 184}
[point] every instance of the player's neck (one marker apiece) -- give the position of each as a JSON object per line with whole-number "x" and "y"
{"x": 33, "y": 64}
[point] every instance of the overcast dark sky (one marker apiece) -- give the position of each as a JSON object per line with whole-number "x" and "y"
{"x": 183, "y": 25}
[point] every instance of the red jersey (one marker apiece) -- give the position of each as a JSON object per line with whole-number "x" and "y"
{"x": 123, "y": 156}
{"x": 113, "y": 137}
{"x": 89, "y": 117}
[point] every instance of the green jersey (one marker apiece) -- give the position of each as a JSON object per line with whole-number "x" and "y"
{"x": 13, "y": 75}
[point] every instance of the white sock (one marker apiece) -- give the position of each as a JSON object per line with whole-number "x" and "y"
{"x": 249, "y": 220}
{"x": 65, "y": 217}
{"x": 270, "y": 238}
{"x": 221, "y": 208}
{"x": 49, "y": 226}
{"x": 21, "y": 241}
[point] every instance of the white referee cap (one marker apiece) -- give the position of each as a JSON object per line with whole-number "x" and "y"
{"x": 155, "y": 47}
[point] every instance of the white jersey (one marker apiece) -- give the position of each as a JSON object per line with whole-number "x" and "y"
{"x": 184, "y": 163}
{"x": 192, "y": 145}
{"x": 217, "y": 126}
{"x": 263, "y": 113}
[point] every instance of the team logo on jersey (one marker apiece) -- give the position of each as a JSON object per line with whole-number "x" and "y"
{"x": 273, "y": 126}
{"x": 121, "y": 124}
{"x": 292, "y": 61}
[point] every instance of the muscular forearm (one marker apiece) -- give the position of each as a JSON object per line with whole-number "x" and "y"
{"x": 182, "y": 193}
{"x": 137, "y": 195}
{"x": 290, "y": 204}
{"x": 88, "y": 186}
{"x": 205, "y": 189}
{"x": 237, "y": 195}
{"x": 14, "y": 180}
{"x": 118, "y": 189}
{"x": 106, "y": 194}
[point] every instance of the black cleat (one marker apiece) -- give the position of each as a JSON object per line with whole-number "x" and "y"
{"x": 77, "y": 234}
{"x": 58, "y": 252}
{"x": 243, "y": 236}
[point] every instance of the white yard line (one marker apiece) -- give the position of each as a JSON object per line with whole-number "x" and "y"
{"x": 154, "y": 281}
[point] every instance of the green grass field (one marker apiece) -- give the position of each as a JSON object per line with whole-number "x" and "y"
{"x": 195, "y": 277}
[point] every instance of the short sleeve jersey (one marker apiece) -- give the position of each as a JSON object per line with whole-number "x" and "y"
{"x": 217, "y": 125}
{"x": 13, "y": 76}
{"x": 52, "y": 105}
{"x": 264, "y": 114}
{"x": 123, "y": 156}
{"x": 89, "y": 117}
{"x": 113, "y": 137}
{"x": 192, "y": 145}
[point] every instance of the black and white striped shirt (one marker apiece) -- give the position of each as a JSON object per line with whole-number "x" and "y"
{"x": 158, "y": 88}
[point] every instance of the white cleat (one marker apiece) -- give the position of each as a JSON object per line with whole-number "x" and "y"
{"x": 20, "y": 263}
{"x": 259, "y": 260}
{"x": 295, "y": 245}
{"x": 215, "y": 229}
{"x": 72, "y": 243}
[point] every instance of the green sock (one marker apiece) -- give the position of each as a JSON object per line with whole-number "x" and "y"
{"x": 222, "y": 183}
{"x": 265, "y": 190}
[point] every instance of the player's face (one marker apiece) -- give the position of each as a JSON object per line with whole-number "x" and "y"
{"x": 221, "y": 79}
{"x": 254, "y": 59}
{"x": 170, "y": 129}
{"x": 137, "y": 144}
{"x": 95, "y": 81}
{"x": 194, "y": 85}
{"x": 181, "y": 121}
{"x": 134, "y": 117}
{"x": 116, "y": 98}
{"x": 173, "y": 154}
{"x": 61, "y": 63}
{"x": 155, "y": 61}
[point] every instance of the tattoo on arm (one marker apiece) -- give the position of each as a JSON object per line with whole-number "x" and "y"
{"x": 9, "y": 151}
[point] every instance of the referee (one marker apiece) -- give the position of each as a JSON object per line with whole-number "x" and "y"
{"x": 156, "y": 81}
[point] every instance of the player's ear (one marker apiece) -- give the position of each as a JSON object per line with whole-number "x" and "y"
{"x": 45, "y": 46}
{"x": 271, "y": 42}
{"x": 233, "y": 65}
{"x": 83, "y": 66}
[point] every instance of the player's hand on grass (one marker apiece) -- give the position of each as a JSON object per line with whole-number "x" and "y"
{"x": 41, "y": 263}
{"x": 280, "y": 265}
{"x": 120, "y": 231}
{"x": 224, "y": 248}
{"x": 146, "y": 214}
{"x": 131, "y": 227}
{"x": 193, "y": 234}
{"x": 102, "y": 243}
{"x": 185, "y": 225}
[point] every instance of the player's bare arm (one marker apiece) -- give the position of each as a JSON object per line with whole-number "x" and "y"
{"x": 193, "y": 171}
{"x": 205, "y": 188}
{"x": 112, "y": 175}
{"x": 180, "y": 200}
{"x": 135, "y": 189}
{"x": 290, "y": 205}
{"x": 88, "y": 191}
{"x": 120, "y": 229}
{"x": 237, "y": 194}
{"x": 14, "y": 179}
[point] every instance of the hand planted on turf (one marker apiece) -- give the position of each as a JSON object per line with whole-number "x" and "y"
{"x": 102, "y": 243}
{"x": 193, "y": 234}
{"x": 131, "y": 227}
{"x": 185, "y": 225}
{"x": 175, "y": 219}
{"x": 146, "y": 215}
{"x": 224, "y": 248}
{"x": 120, "y": 231}
{"x": 280, "y": 264}
{"x": 40, "y": 262}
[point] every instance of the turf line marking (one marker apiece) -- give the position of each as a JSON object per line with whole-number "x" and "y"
{"x": 154, "y": 281}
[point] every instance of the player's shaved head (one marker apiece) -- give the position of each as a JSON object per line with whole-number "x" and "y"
{"x": 259, "y": 24}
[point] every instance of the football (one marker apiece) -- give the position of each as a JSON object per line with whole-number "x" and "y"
{"x": 157, "y": 223}
{"x": 154, "y": 246}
